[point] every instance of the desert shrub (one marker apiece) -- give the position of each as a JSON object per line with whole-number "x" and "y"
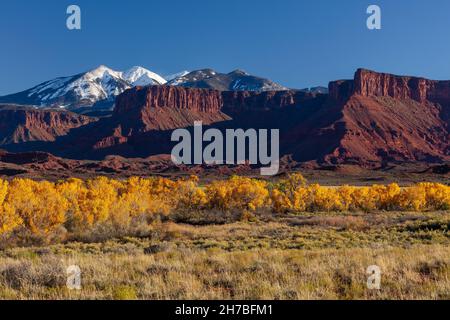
{"x": 48, "y": 272}
{"x": 124, "y": 293}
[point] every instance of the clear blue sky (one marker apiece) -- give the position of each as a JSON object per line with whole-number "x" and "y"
{"x": 294, "y": 42}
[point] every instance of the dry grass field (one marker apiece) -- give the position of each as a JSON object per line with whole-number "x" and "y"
{"x": 308, "y": 256}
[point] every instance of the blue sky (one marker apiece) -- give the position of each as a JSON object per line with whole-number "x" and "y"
{"x": 296, "y": 43}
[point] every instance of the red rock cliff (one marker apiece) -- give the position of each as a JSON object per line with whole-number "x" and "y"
{"x": 201, "y": 100}
{"x": 20, "y": 124}
{"x": 385, "y": 117}
{"x": 341, "y": 90}
{"x": 368, "y": 83}
{"x": 142, "y": 109}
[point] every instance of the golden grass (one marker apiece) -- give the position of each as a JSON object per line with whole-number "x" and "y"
{"x": 421, "y": 272}
{"x": 314, "y": 256}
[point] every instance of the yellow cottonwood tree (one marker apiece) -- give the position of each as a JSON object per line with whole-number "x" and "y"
{"x": 237, "y": 193}
{"x": 9, "y": 219}
{"x": 40, "y": 206}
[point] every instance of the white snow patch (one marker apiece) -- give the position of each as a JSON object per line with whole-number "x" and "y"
{"x": 138, "y": 76}
{"x": 173, "y": 76}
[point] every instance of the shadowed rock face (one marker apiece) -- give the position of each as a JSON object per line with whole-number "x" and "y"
{"x": 341, "y": 90}
{"x": 143, "y": 109}
{"x": 238, "y": 101}
{"x": 20, "y": 124}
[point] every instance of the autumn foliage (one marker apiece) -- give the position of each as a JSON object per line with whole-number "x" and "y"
{"x": 289, "y": 196}
{"x": 41, "y": 208}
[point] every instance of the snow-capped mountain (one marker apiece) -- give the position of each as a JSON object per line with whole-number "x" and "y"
{"x": 100, "y": 85}
{"x": 237, "y": 80}
{"x": 97, "y": 88}
{"x": 138, "y": 76}
{"x": 170, "y": 77}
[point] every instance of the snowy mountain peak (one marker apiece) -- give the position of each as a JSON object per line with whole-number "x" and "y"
{"x": 85, "y": 90}
{"x": 100, "y": 72}
{"x": 139, "y": 76}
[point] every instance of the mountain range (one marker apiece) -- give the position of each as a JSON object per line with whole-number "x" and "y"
{"x": 97, "y": 88}
{"x": 236, "y": 80}
{"x": 371, "y": 120}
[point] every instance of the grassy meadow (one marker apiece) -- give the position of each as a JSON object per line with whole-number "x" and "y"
{"x": 311, "y": 257}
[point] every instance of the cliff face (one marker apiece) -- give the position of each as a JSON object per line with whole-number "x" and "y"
{"x": 368, "y": 83}
{"x": 144, "y": 117}
{"x": 238, "y": 101}
{"x": 341, "y": 90}
{"x": 143, "y": 109}
{"x": 20, "y": 124}
{"x": 201, "y": 100}
{"x": 386, "y": 117}
{"x": 208, "y": 101}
